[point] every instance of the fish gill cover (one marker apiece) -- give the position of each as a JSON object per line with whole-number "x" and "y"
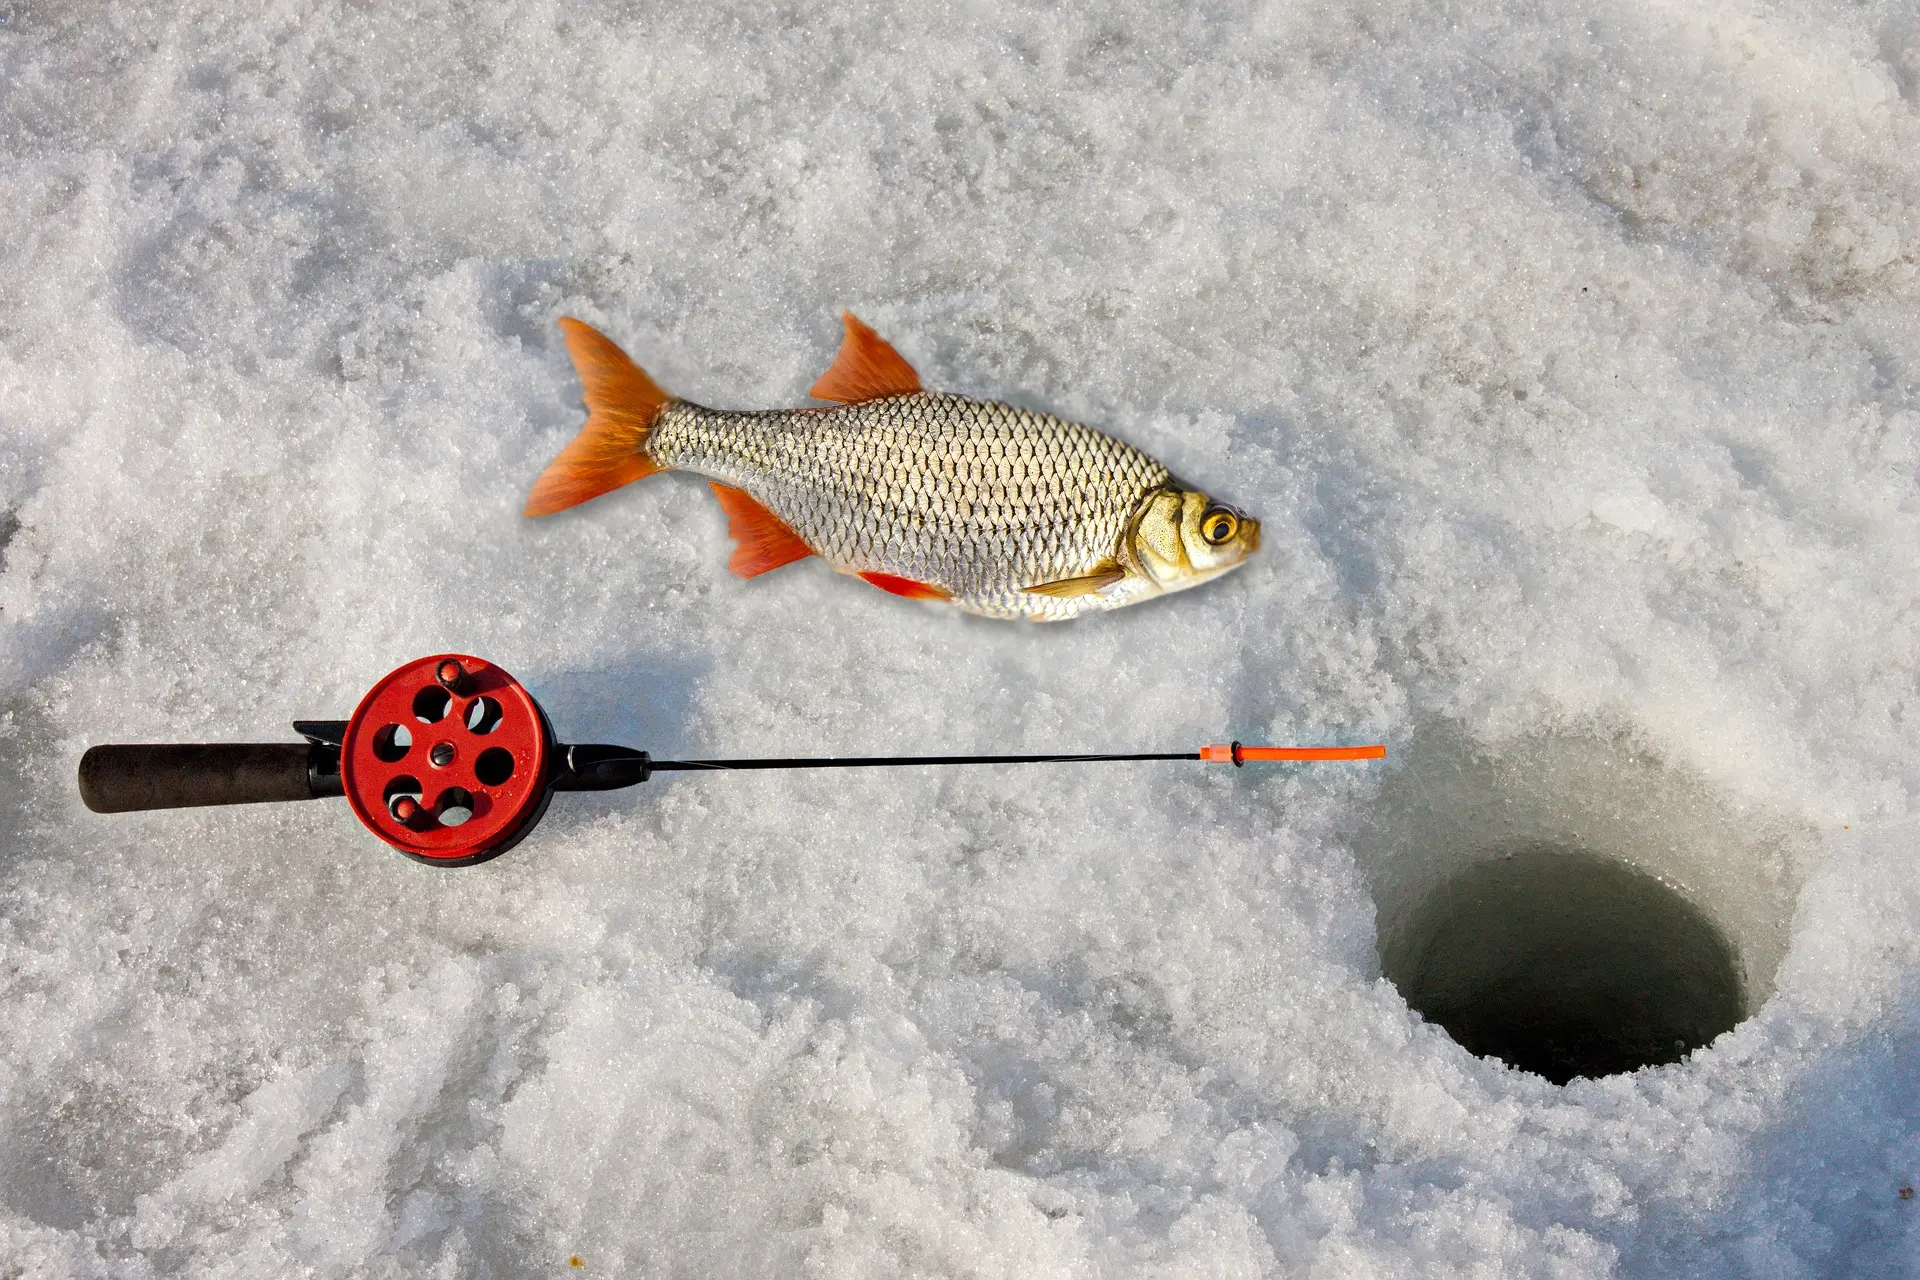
{"x": 1567, "y": 353}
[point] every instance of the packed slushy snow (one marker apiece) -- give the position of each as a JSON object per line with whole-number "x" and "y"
{"x": 1567, "y": 353}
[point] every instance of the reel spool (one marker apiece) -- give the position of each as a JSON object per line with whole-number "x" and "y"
{"x": 446, "y": 759}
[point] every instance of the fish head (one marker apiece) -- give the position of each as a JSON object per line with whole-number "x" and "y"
{"x": 1180, "y": 537}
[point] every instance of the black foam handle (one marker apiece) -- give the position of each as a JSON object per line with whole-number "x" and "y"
{"x": 118, "y": 779}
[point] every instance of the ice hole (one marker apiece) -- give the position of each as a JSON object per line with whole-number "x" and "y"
{"x": 1566, "y": 963}
{"x": 1572, "y": 905}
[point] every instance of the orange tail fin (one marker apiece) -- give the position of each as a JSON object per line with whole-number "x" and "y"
{"x": 611, "y": 450}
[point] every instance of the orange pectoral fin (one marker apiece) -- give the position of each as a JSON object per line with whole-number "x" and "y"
{"x": 1085, "y": 585}
{"x": 906, "y": 587}
{"x": 866, "y": 368}
{"x": 761, "y": 540}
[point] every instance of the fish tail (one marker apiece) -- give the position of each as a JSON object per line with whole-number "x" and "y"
{"x": 623, "y": 404}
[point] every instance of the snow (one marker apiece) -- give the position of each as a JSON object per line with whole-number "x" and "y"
{"x": 1567, "y": 353}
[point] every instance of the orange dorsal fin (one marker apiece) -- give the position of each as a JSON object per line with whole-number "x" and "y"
{"x": 866, "y": 368}
{"x": 611, "y": 449}
{"x": 761, "y": 540}
{"x": 905, "y": 587}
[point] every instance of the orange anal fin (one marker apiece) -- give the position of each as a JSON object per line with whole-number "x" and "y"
{"x": 762, "y": 541}
{"x": 906, "y": 587}
{"x": 866, "y": 368}
{"x": 611, "y": 449}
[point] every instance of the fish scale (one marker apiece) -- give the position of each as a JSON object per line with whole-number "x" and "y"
{"x": 979, "y": 498}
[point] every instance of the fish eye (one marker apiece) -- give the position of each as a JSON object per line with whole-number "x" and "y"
{"x": 1218, "y": 526}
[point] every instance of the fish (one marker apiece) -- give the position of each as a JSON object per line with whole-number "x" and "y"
{"x": 1000, "y": 511}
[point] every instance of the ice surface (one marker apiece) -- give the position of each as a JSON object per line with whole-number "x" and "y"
{"x": 1568, "y": 354}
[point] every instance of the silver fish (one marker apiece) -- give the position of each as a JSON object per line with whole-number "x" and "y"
{"x": 1001, "y": 511}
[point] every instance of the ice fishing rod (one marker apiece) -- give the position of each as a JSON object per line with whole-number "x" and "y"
{"x": 462, "y": 730}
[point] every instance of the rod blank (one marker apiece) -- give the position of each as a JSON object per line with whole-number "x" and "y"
{"x": 1222, "y": 753}
{"x": 895, "y": 762}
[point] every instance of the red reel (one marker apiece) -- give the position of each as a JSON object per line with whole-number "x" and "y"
{"x": 447, "y": 760}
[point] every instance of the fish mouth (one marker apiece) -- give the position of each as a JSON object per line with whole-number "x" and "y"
{"x": 1252, "y": 528}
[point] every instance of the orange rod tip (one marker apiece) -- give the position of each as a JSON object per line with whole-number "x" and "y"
{"x": 1235, "y": 753}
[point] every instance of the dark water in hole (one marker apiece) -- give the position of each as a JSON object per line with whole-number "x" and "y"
{"x": 1566, "y": 964}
